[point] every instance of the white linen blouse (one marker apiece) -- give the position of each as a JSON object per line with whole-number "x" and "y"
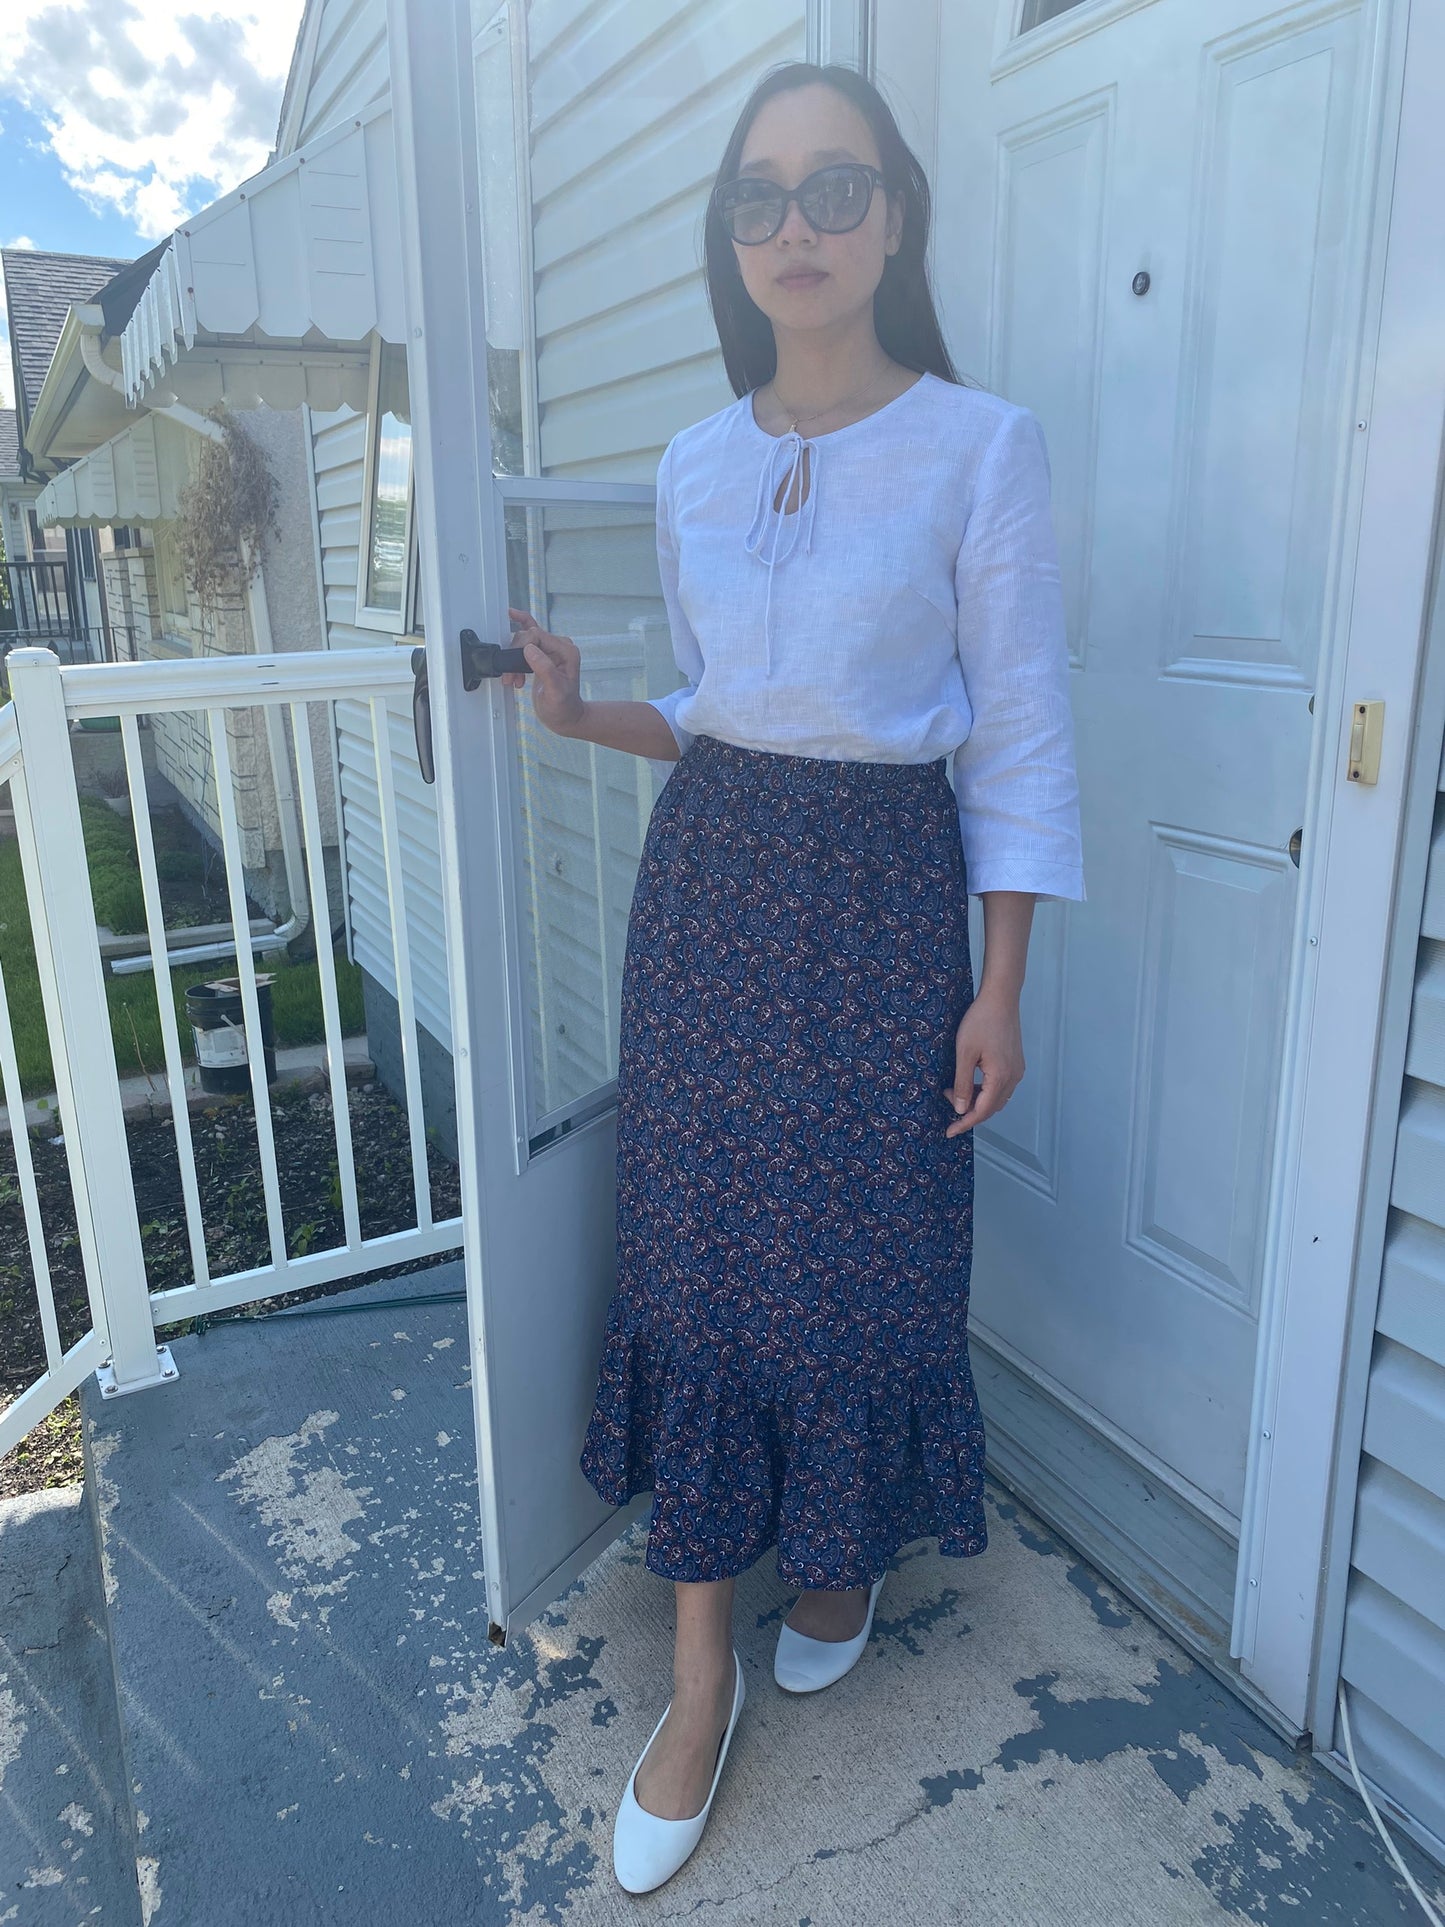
{"x": 910, "y": 609}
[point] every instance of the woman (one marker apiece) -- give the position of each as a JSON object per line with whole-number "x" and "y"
{"x": 860, "y": 571}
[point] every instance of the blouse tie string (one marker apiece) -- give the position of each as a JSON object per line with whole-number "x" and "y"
{"x": 790, "y": 446}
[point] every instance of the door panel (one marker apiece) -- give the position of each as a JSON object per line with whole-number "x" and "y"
{"x": 1147, "y": 232}
{"x": 559, "y": 330}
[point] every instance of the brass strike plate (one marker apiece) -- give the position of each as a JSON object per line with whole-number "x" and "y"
{"x": 1367, "y": 729}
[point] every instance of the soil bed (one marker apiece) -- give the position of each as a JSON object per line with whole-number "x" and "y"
{"x": 233, "y": 1212}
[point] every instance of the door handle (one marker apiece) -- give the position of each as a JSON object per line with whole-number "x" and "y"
{"x": 421, "y": 716}
{"x": 479, "y": 661}
{"x": 482, "y": 659}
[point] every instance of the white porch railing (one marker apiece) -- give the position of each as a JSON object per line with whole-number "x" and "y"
{"x": 35, "y": 762}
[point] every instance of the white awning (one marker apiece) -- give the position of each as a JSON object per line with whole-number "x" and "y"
{"x": 303, "y": 255}
{"x": 135, "y": 477}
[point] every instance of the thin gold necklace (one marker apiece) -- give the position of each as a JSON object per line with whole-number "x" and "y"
{"x": 795, "y": 419}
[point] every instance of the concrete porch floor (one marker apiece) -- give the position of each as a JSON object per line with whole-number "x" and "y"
{"x": 317, "y": 1731}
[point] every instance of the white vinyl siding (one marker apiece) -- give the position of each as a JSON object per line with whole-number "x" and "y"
{"x": 348, "y": 67}
{"x": 631, "y": 107}
{"x": 339, "y": 441}
{"x": 1393, "y": 1658}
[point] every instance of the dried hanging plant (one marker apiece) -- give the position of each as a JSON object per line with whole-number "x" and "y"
{"x": 226, "y": 509}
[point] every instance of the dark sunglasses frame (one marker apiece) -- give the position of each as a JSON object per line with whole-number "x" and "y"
{"x": 721, "y": 204}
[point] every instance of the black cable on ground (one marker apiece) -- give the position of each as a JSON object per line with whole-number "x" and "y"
{"x": 204, "y": 1320}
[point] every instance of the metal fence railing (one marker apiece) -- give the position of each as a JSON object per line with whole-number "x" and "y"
{"x": 120, "y": 1303}
{"x": 43, "y": 605}
{"x": 40, "y": 601}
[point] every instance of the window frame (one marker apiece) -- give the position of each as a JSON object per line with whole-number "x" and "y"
{"x": 392, "y": 622}
{"x": 1037, "y": 25}
{"x": 170, "y": 580}
{"x": 414, "y": 624}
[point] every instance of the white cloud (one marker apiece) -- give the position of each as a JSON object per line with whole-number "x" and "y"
{"x": 152, "y": 111}
{"x": 7, "y": 398}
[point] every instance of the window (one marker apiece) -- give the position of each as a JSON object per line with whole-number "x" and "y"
{"x": 1036, "y": 12}
{"x": 170, "y": 578}
{"x": 45, "y": 543}
{"x": 387, "y": 574}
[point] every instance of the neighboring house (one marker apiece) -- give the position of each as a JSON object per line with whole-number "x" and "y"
{"x": 60, "y": 597}
{"x": 1178, "y": 295}
{"x": 17, "y": 577}
{"x": 17, "y": 496}
{"x": 116, "y": 478}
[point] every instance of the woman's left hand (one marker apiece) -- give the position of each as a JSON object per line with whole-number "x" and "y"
{"x": 989, "y": 1036}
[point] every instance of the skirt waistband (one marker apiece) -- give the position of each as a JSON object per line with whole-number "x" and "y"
{"x": 734, "y": 760}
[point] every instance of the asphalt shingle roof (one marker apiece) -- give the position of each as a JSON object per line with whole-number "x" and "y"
{"x": 39, "y": 291}
{"x": 9, "y": 446}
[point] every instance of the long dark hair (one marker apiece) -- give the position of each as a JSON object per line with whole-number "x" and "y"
{"x": 904, "y": 317}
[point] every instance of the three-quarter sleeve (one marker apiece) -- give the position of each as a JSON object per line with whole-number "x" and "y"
{"x": 686, "y": 650}
{"x": 1014, "y": 774}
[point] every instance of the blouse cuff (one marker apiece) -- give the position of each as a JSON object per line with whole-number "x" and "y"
{"x": 1047, "y": 881}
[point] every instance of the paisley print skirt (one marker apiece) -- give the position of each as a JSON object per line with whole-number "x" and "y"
{"x": 785, "y": 1359}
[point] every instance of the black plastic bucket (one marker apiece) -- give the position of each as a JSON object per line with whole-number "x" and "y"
{"x": 218, "y": 1023}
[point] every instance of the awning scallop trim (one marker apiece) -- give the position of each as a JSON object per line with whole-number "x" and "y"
{"x": 308, "y": 251}
{"x": 136, "y": 477}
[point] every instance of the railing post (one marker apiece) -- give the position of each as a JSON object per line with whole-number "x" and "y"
{"x": 72, "y": 986}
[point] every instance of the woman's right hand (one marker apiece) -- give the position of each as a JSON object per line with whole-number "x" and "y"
{"x": 556, "y": 673}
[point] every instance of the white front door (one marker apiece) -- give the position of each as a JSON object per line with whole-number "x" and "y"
{"x": 1151, "y": 218}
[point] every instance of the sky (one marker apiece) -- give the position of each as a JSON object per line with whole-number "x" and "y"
{"x": 118, "y": 118}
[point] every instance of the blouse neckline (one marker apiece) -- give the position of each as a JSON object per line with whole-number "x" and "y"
{"x": 772, "y": 529}
{"x": 831, "y": 434}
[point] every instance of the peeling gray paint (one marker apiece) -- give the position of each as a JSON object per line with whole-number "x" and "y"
{"x": 1189, "y": 1700}
{"x": 1108, "y": 1606}
{"x": 1018, "y": 1746}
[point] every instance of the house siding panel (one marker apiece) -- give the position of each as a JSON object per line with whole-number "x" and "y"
{"x": 348, "y": 68}
{"x": 631, "y": 106}
{"x": 339, "y": 443}
{"x": 1393, "y": 1655}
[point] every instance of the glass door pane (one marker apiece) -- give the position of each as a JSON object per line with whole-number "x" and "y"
{"x": 600, "y": 136}
{"x": 1037, "y": 12}
{"x": 599, "y": 139}
{"x": 588, "y": 571}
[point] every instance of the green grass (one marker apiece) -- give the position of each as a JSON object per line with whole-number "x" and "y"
{"x": 134, "y": 1014}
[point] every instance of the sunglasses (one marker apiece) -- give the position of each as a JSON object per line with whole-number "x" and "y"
{"x": 834, "y": 200}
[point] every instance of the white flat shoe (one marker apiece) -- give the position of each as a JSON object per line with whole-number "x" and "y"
{"x": 803, "y": 1665}
{"x": 646, "y": 1849}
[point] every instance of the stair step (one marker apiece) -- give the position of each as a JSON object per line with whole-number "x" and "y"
{"x": 290, "y": 1538}
{"x": 67, "y": 1841}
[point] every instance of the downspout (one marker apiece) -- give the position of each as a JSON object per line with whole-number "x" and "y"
{"x": 95, "y": 362}
{"x": 258, "y": 614}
